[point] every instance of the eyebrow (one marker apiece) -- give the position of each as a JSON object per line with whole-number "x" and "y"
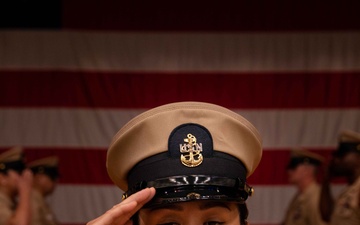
{"x": 169, "y": 206}
{"x": 207, "y": 205}
{"x": 203, "y": 206}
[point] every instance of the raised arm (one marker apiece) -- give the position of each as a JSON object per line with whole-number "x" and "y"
{"x": 22, "y": 212}
{"x": 326, "y": 203}
{"x": 121, "y": 213}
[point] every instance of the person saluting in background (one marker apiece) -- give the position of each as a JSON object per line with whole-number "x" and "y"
{"x": 15, "y": 188}
{"x": 345, "y": 210}
{"x": 46, "y": 174}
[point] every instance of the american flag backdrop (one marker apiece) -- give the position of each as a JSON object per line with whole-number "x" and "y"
{"x": 73, "y": 72}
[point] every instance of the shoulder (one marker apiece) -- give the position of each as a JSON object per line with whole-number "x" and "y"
{"x": 5, "y": 213}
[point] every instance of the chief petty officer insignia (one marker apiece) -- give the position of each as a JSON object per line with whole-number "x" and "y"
{"x": 191, "y": 156}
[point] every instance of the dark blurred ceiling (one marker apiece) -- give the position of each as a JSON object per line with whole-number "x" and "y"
{"x": 165, "y": 15}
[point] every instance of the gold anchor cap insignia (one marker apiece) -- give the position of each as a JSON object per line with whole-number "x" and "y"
{"x": 191, "y": 152}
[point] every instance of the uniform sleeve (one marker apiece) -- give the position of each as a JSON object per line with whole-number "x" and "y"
{"x": 5, "y": 214}
{"x": 314, "y": 215}
{"x": 41, "y": 213}
{"x": 35, "y": 207}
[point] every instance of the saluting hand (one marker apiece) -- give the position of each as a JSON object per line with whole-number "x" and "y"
{"x": 25, "y": 181}
{"x": 121, "y": 213}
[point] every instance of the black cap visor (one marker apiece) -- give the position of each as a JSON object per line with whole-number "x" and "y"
{"x": 345, "y": 148}
{"x": 17, "y": 166}
{"x": 296, "y": 161}
{"x": 52, "y": 172}
{"x": 196, "y": 187}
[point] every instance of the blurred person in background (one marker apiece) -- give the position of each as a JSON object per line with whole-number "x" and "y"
{"x": 345, "y": 210}
{"x": 46, "y": 174}
{"x": 15, "y": 188}
{"x": 302, "y": 171}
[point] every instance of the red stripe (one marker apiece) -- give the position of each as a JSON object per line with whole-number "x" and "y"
{"x": 87, "y": 166}
{"x": 146, "y": 90}
{"x": 214, "y": 15}
{"x": 76, "y": 166}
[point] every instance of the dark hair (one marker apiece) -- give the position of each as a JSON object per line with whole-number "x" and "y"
{"x": 243, "y": 211}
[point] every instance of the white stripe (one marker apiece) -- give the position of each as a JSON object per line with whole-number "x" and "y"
{"x": 61, "y": 127}
{"x": 80, "y": 204}
{"x": 231, "y": 52}
{"x": 302, "y": 128}
{"x": 95, "y": 128}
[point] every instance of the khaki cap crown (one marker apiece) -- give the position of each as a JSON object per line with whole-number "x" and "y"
{"x": 12, "y": 155}
{"x": 303, "y": 153}
{"x": 51, "y": 161}
{"x": 349, "y": 136}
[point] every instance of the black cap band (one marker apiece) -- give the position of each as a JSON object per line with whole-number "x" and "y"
{"x": 346, "y": 147}
{"x": 161, "y": 165}
{"x": 18, "y": 166}
{"x": 295, "y": 161}
{"x": 52, "y": 172}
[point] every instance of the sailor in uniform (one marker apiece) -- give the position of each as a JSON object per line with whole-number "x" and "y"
{"x": 183, "y": 163}
{"x": 15, "y": 188}
{"x": 46, "y": 174}
{"x": 302, "y": 171}
{"x": 345, "y": 210}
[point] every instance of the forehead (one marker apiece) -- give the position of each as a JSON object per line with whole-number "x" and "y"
{"x": 42, "y": 176}
{"x": 11, "y": 174}
{"x": 195, "y": 205}
{"x": 194, "y": 212}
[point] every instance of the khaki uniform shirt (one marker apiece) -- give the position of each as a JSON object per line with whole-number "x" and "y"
{"x": 6, "y": 208}
{"x": 41, "y": 212}
{"x": 346, "y": 210}
{"x": 304, "y": 208}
